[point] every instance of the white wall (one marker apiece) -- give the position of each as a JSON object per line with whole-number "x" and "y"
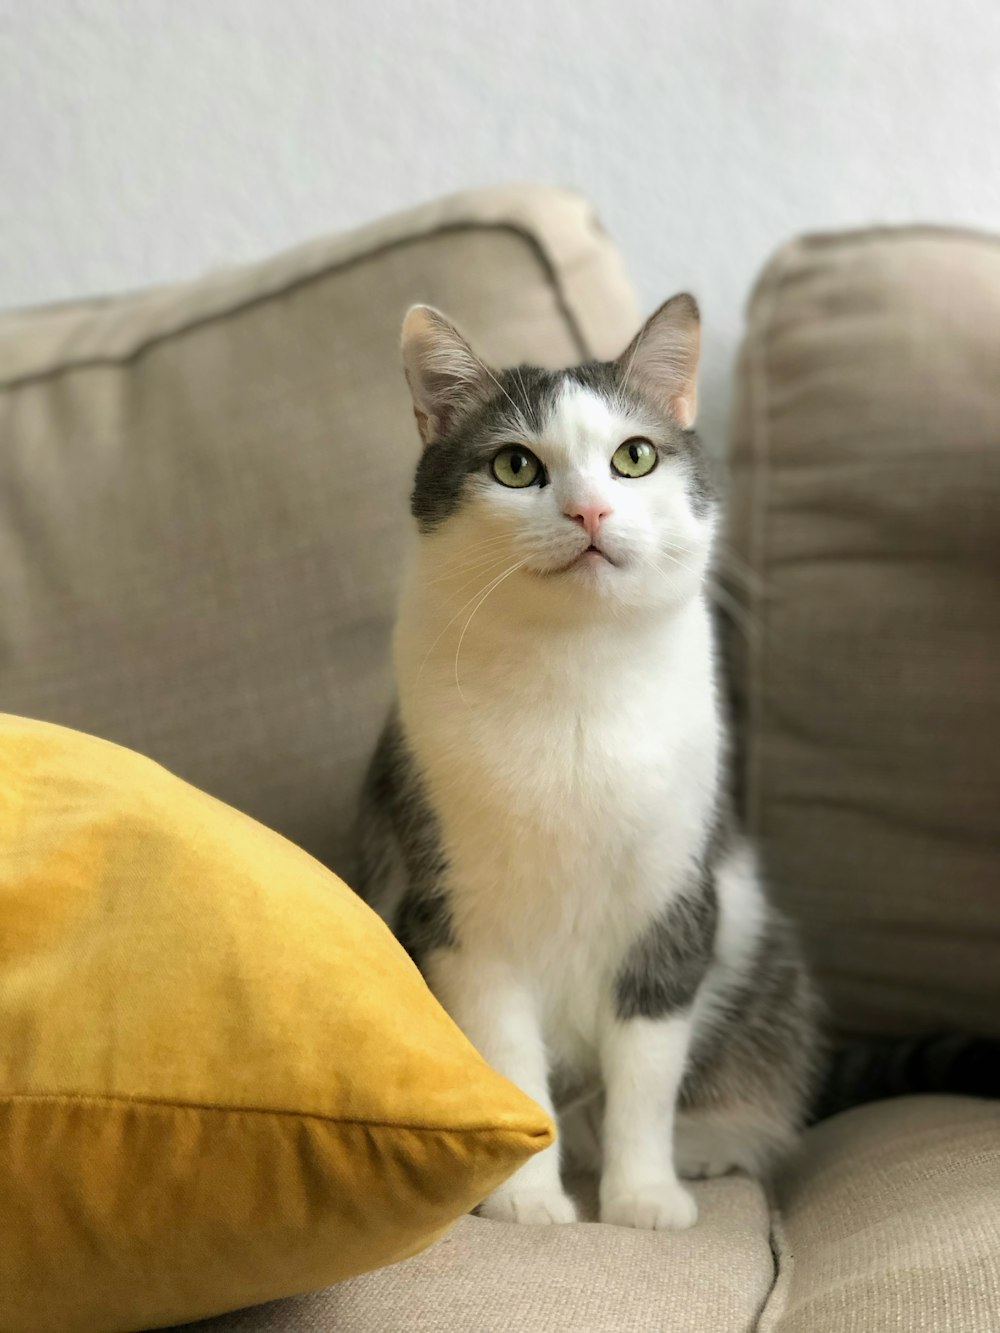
{"x": 145, "y": 140}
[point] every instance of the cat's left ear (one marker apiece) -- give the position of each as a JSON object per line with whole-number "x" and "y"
{"x": 445, "y": 376}
{"x": 662, "y": 359}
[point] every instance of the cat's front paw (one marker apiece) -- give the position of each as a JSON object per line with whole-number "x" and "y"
{"x": 535, "y": 1207}
{"x": 666, "y": 1206}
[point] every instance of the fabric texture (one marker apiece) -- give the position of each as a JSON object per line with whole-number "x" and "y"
{"x": 221, "y": 1079}
{"x": 866, "y": 503}
{"x": 891, "y": 1220}
{"x": 202, "y": 489}
{"x": 495, "y": 1277}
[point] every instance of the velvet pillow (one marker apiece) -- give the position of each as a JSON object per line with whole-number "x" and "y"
{"x": 221, "y": 1079}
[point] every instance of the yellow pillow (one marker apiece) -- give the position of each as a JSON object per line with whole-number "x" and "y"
{"x": 221, "y": 1079}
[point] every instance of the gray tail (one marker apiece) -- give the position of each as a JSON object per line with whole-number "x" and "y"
{"x": 870, "y": 1070}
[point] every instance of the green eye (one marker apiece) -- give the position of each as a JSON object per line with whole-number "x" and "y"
{"x": 634, "y": 458}
{"x": 514, "y": 466}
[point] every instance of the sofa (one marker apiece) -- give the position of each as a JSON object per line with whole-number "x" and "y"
{"x": 202, "y": 523}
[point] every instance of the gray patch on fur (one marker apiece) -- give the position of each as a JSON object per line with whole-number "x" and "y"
{"x": 760, "y": 1046}
{"x": 703, "y": 477}
{"x": 401, "y": 865}
{"x": 664, "y": 968}
{"x": 423, "y": 924}
{"x": 524, "y": 398}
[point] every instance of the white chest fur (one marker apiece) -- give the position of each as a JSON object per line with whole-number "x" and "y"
{"x": 573, "y": 774}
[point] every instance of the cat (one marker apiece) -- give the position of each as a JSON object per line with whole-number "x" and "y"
{"x": 546, "y": 824}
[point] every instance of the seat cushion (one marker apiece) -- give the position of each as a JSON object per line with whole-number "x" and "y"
{"x": 888, "y": 1220}
{"x": 201, "y": 489}
{"x": 221, "y": 1078}
{"x": 891, "y": 1220}
{"x": 866, "y": 503}
{"x": 495, "y": 1277}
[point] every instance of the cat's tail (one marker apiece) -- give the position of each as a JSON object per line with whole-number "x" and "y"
{"x": 872, "y": 1069}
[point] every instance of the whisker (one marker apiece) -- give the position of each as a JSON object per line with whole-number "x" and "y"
{"x": 731, "y": 563}
{"x": 524, "y": 392}
{"x": 461, "y": 639}
{"x": 496, "y": 381}
{"x": 744, "y": 620}
{"x": 447, "y": 627}
{"x": 482, "y": 543}
{"x": 631, "y": 361}
{"x": 739, "y": 615}
{"x": 460, "y": 566}
{"x": 483, "y": 567}
{"x": 485, "y": 545}
{"x": 681, "y": 564}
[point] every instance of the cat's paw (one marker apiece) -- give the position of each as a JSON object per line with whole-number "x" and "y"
{"x": 666, "y": 1206}
{"x": 535, "y": 1207}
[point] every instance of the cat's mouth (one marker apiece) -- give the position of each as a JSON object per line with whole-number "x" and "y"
{"x": 592, "y": 556}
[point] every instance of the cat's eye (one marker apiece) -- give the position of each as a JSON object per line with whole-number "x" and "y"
{"x": 516, "y": 466}
{"x": 634, "y": 458}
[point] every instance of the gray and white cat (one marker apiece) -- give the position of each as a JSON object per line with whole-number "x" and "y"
{"x": 545, "y": 824}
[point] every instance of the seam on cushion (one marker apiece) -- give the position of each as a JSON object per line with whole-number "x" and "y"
{"x": 758, "y": 335}
{"x": 82, "y": 1099}
{"x": 547, "y": 263}
{"x": 817, "y": 240}
{"x": 810, "y": 242}
{"x": 776, "y": 1300}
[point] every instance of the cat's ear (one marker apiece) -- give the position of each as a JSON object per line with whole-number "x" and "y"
{"x": 445, "y": 376}
{"x": 662, "y": 359}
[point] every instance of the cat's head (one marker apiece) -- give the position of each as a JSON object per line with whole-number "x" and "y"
{"x": 584, "y": 487}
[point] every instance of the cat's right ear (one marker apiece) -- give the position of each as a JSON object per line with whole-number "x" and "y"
{"x": 445, "y": 376}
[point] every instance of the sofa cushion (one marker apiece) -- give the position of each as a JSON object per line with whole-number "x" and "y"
{"x": 208, "y": 1096}
{"x": 494, "y": 1277}
{"x": 201, "y": 489}
{"x": 891, "y": 1220}
{"x": 887, "y": 1220}
{"x": 866, "y": 503}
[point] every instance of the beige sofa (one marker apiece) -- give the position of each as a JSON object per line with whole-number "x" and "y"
{"x": 202, "y": 491}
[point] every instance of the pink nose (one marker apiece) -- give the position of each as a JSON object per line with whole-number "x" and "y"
{"x": 590, "y": 517}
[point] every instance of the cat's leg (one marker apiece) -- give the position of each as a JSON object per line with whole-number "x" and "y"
{"x": 707, "y": 1143}
{"x": 645, "y": 1044}
{"x": 643, "y": 1062}
{"x": 497, "y": 1013}
{"x": 748, "y": 1088}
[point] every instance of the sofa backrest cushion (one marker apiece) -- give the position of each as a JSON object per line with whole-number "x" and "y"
{"x": 866, "y": 503}
{"x": 203, "y": 489}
